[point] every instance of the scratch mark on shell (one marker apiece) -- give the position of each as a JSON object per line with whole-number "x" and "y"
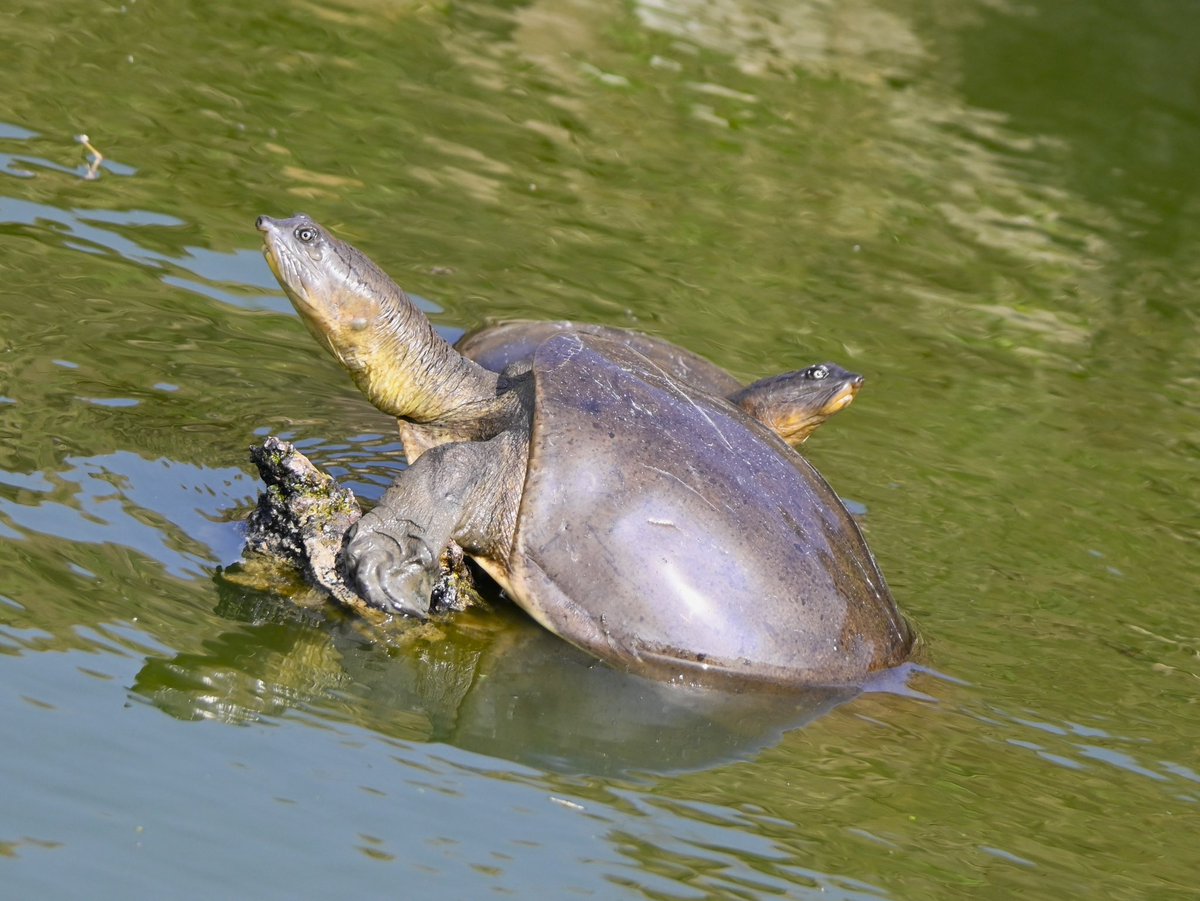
{"x": 674, "y": 388}
{"x": 691, "y": 488}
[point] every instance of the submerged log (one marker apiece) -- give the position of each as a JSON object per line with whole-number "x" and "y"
{"x": 299, "y": 528}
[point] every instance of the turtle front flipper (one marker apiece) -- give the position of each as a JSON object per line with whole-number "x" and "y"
{"x": 465, "y": 490}
{"x": 390, "y": 567}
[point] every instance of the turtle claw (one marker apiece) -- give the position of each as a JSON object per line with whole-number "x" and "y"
{"x": 390, "y": 576}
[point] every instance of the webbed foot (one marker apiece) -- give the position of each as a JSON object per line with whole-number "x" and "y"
{"x": 395, "y": 573}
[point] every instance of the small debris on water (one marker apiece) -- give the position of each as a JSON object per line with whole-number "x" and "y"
{"x": 93, "y": 168}
{"x": 565, "y": 803}
{"x": 856, "y": 508}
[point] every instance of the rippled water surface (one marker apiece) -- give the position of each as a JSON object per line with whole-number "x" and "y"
{"x": 988, "y": 208}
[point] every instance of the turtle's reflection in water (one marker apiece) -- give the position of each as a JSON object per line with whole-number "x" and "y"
{"x": 493, "y": 682}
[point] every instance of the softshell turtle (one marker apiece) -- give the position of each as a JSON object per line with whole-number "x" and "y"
{"x": 793, "y": 404}
{"x": 648, "y": 522}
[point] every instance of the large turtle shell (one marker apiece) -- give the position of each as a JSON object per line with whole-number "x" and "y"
{"x": 499, "y": 346}
{"x": 663, "y": 529}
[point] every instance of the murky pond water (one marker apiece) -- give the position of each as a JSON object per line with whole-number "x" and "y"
{"x": 990, "y": 209}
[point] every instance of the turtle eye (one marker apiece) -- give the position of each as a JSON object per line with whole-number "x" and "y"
{"x": 306, "y": 234}
{"x": 817, "y": 372}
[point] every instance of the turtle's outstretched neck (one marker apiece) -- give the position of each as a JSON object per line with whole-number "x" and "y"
{"x": 367, "y": 321}
{"x": 407, "y": 369}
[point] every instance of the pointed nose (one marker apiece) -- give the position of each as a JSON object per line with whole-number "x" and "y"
{"x": 264, "y": 223}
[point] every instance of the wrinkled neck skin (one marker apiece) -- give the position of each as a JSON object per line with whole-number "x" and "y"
{"x": 388, "y": 346}
{"x": 408, "y": 370}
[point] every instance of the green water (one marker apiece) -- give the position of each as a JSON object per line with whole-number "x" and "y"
{"x": 989, "y": 209}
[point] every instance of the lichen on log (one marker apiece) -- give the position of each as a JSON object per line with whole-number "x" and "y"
{"x": 299, "y": 527}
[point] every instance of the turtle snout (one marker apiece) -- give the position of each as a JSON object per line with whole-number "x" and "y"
{"x": 266, "y": 224}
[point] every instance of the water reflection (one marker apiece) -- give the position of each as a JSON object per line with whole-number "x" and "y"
{"x": 239, "y": 278}
{"x": 497, "y": 685}
{"x": 860, "y": 39}
{"x": 164, "y": 509}
{"x": 1078, "y": 747}
{"x": 14, "y": 163}
{"x": 247, "y": 282}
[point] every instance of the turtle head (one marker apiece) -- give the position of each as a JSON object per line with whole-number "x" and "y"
{"x": 831, "y": 386}
{"x": 796, "y": 403}
{"x": 338, "y": 292}
{"x": 368, "y": 323}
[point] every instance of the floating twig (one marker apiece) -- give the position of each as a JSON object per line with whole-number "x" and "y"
{"x": 93, "y": 169}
